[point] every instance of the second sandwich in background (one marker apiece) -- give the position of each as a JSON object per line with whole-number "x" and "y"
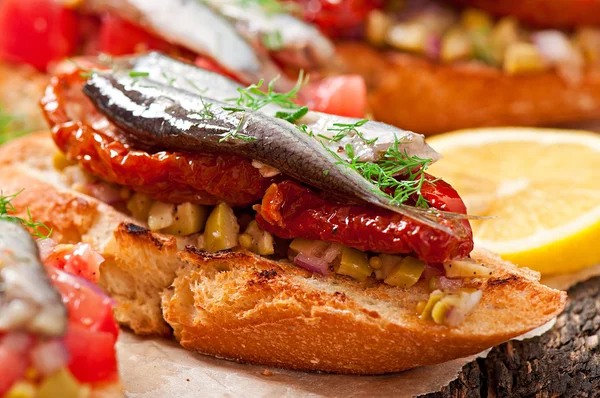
{"x": 431, "y": 67}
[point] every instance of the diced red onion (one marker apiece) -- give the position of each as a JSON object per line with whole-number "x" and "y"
{"x": 332, "y": 252}
{"x": 17, "y": 342}
{"x": 450, "y": 284}
{"x": 457, "y": 314}
{"x": 431, "y": 271}
{"x": 48, "y": 357}
{"x": 553, "y": 45}
{"x": 46, "y": 247}
{"x": 85, "y": 262}
{"x": 104, "y": 192}
{"x": 312, "y": 264}
{"x": 557, "y": 50}
{"x": 433, "y": 46}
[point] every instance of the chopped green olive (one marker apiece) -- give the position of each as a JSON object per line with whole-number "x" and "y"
{"x": 434, "y": 297}
{"x": 406, "y": 273}
{"x": 354, "y": 263}
{"x": 222, "y": 229}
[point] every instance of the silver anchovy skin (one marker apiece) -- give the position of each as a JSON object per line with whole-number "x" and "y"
{"x": 168, "y": 118}
{"x": 169, "y": 71}
{"x": 197, "y": 27}
{"x": 28, "y": 301}
{"x": 296, "y": 42}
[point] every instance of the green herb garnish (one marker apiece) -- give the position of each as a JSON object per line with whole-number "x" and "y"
{"x": 36, "y": 228}
{"x": 236, "y": 133}
{"x": 395, "y": 162}
{"x": 269, "y": 6}
{"x": 84, "y": 73}
{"x": 292, "y": 117}
{"x": 304, "y": 128}
{"x": 135, "y": 73}
{"x": 272, "y": 41}
{"x": 342, "y": 130}
{"x": 207, "y": 112}
{"x": 254, "y": 98}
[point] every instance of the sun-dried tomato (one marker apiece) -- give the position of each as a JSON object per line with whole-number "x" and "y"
{"x": 290, "y": 210}
{"x": 173, "y": 177}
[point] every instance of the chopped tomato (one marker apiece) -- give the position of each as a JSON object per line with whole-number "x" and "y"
{"x": 81, "y": 260}
{"x": 338, "y": 95}
{"x": 12, "y": 366}
{"x": 92, "y": 354}
{"x": 119, "y": 37}
{"x": 338, "y": 18}
{"x": 92, "y": 332}
{"x": 36, "y": 32}
{"x": 86, "y": 304}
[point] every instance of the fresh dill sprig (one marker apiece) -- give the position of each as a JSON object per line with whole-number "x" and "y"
{"x": 236, "y": 133}
{"x": 269, "y": 6}
{"x": 292, "y": 117}
{"x": 84, "y": 73}
{"x": 195, "y": 86}
{"x": 272, "y": 41}
{"x": 306, "y": 130}
{"x": 170, "y": 80}
{"x": 36, "y": 228}
{"x": 342, "y": 130}
{"x": 135, "y": 73}
{"x": 207, "y": 112}
{"x": 395, "y": 162}
{"x": 255, "y": 99}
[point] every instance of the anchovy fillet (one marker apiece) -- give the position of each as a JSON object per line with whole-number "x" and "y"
{"x": 168, "y": 71}
{"x": 197, "y": 27}
{"x": 293, "y": 41}
{"x": 28, "y": 300}
{"x": 169, "y": 118}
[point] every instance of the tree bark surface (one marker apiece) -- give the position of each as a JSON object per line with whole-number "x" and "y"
{"x": 563, "y": 362}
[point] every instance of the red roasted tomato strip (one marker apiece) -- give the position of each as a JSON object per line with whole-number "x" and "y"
{"x": 290, "y": 210}
{"x": 172, "y": 177}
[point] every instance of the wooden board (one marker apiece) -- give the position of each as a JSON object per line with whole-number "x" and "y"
{"x": 565, "y": 361}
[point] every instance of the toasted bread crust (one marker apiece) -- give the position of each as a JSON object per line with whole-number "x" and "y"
{"x": 138, "y": 264}
{"x": 428, "y": 97}
{"x": 544, "y": 13}
{"x": 251, "y": 309}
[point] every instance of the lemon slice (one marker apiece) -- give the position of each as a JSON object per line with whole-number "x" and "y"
{"x": 542, "y": 186}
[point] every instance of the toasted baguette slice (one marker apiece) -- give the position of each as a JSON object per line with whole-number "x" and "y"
{"x": 544, "y": 13}
{"x": 247, "y": 308}
{"x": 428, "y": 97}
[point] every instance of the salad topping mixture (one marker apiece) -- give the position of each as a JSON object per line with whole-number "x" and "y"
{"x": 445, "y": 34}
{"x": 39, "y": 359}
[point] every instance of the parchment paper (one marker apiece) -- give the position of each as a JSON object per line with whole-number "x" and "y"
{"x": 153, "y": 368}
{"x": 157, "y": 368}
